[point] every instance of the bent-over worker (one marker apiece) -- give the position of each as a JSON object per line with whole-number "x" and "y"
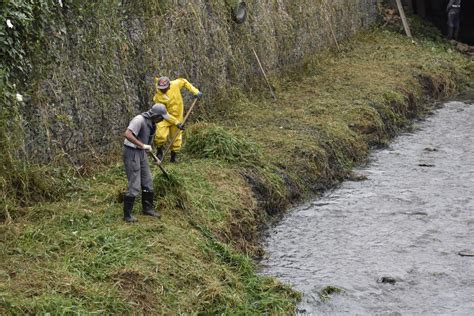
{"x": 138, "y": 138}
{"x": 169, "y": 93}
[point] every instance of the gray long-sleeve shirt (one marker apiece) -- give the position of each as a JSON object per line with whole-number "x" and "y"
{"x": 143, "y": 129}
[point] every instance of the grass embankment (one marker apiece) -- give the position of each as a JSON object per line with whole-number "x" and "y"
{"x": 251, "y": 162}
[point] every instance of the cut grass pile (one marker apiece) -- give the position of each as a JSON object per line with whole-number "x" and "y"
{"x": 77, "y": 256}
{"x": 208, "y": 141}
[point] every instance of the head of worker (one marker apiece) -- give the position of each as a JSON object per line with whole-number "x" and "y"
{"x": 157, "y": 113}
{"x": 163, "y": 84}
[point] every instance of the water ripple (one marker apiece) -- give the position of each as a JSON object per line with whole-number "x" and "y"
{"x": 406, "y": 223}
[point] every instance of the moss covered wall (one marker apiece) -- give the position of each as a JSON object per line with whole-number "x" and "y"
{"x": 94, "y": 69}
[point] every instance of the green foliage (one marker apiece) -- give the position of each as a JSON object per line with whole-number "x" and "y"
{"x": 22, "y": 26}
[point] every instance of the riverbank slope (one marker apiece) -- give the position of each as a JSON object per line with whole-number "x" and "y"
{"x": 250, "y": 163}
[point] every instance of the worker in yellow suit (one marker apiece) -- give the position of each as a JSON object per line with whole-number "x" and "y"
{"x": 169, "y": 93}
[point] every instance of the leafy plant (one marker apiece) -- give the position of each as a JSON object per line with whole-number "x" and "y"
{"x": 22, "y": 25}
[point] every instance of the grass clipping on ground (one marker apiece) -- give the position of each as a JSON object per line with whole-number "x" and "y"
{"x": 77, "y": 256}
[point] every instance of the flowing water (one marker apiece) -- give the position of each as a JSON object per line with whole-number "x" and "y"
{"x": 391, "y": 242}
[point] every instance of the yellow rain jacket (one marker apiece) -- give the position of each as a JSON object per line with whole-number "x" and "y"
{"x": 173, "y": 100}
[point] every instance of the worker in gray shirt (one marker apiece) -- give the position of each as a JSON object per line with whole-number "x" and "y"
{"x": 138, "y": 138}
{"x": 454, "y": 18}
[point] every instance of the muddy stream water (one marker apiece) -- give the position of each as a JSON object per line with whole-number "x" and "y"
{"x": 391, "y": 243}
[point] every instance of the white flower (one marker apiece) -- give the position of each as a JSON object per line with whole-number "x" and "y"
{"x": 60, "y": 3}
{"x": 19, "y": 97}
{"x": 9, "y": 23}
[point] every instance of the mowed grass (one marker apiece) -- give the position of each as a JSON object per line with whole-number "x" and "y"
{"x": 250, "y": 163}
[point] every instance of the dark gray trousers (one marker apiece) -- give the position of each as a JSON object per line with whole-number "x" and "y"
{"x": 137, "y": 170}
{"x": 454, "y": 22}
{"x": 454, "y": 19}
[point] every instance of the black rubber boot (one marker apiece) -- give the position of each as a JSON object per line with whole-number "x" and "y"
{"x": 128, "y": 202}
{"x": 174, "y": 157}
{"x": 450, "y": 33}
{"x": 159, "y": 153}
{"x": 456, "y": 34}
{"x": 147, "y": 204}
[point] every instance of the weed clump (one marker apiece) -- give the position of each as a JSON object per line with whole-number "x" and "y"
{"x": 215, "y": 142}
{"x": 326, "y": 292}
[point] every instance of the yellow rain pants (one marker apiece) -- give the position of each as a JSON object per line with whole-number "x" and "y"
{"x": 173, "y": 100}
